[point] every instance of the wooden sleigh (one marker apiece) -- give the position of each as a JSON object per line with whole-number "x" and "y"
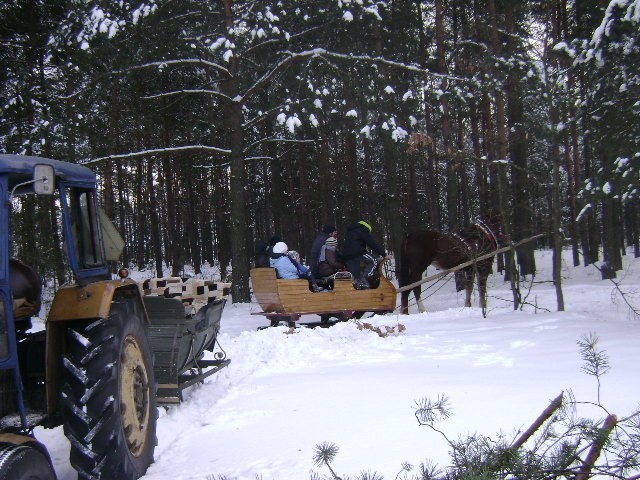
{"x": 287, "y": 300}
{"x": 184, "y": 319}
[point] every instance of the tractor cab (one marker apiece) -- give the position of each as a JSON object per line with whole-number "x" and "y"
{"x": 73, "y": 188}
{"x": 91, "y": 368}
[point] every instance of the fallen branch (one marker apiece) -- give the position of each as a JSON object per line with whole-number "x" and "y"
{"x": 585, "y": 471}
{"x": 467, "y": 264}
{"x": 544, "y": 416}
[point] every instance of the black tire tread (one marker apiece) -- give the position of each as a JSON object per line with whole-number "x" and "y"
{"x": 21, "y": 462}
{"x": 92, "y": 416}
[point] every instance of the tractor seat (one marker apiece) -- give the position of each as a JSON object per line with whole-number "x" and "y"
{"x": 26, "y": 289}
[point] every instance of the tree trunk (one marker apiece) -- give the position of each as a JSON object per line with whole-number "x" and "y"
{"x": 502, "y": 195}
{"x": 194, "y": 204}
{"x": 522, "y": 212}
{"x": 554, "y": 113}
{"x": 140, "y": 214}
{"x": 480, "y": 170}
{"x": 233, "y": 121}
{"x": 452, "y": 193}
{"x": 611, "y": 241}
{"x": 154, "y": 212}
{"x": 556, "y": 212}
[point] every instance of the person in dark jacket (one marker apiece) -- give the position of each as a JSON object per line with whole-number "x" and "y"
{"x": 359, "y": 261}
{"x": 272, "y": 241}
{"x": 321, "y": 238}
{"x": 261, "y": 254}
{"x": 329, "y": 260}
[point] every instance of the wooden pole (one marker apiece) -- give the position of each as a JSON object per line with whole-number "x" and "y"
{"x": 596, "y": 448}
{"x": 544, "y": 416}
{"x": 466, "y": 264}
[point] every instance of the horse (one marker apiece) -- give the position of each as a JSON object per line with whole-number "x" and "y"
{"x": 447, "y": 250}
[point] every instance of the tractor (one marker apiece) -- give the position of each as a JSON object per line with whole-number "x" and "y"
{"x": 91, "y": 369}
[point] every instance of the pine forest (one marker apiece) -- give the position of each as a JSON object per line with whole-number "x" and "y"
{"x": 214, "y": 123}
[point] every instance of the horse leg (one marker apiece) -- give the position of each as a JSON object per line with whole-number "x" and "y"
{"x": 468, "y": 277}
{"x": 482, "y": 290}
{"x": 404, "y": 302}
{"x": 416, "y": 293}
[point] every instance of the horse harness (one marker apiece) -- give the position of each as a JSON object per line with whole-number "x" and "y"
{"x": 470, "y": 244}
{"x": 493, "y": 239}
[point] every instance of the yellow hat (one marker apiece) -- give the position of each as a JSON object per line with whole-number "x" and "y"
{"x": 365, "y": 224}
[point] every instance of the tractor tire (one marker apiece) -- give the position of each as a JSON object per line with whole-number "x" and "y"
{"x": 109, "y": 396}
{"x": 21, "y": 462}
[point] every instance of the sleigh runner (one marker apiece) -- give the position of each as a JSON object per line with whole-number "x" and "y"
{"x": 287, "y": 300}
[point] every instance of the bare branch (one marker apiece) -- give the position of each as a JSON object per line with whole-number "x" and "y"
{"x": 266, "y": 78}
{"x": 291, "y": 57}
{"x": 157, "y": 151}
{"x": 259, "y": 118}
{"x": 163, "y": 63}
{"x": 383, "y": 61}
{"x": 178, "y": 61}
{"x": 292, "y": 37}
{"x": 616, "y": 284}
{"x": 215, "y": 93}
{"x": 279, "y": 140}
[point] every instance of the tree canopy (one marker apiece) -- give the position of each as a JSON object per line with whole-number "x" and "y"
{"x": 215, "y": 123}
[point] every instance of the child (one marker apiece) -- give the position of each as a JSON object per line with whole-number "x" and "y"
{"x": 288, "y": 268}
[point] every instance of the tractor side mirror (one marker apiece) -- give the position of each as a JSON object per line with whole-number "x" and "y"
{"x": 44, "y": 179}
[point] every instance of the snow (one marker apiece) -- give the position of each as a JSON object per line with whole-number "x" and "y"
{"x": 286, "y": 392}
{"x": 399, "y": 133}
{"x": 373, "y": 10}
{"x": 292, "y": 123}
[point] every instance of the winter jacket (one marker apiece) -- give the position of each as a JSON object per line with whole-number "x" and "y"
{"x": 317, "y": 245}
{"x": 284, "y": 266}
{"x": 329, "y": 262}
{"x": 261, "y": 254}
{"x": 356, "y": 241}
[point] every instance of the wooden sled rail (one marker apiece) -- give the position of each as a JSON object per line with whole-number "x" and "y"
{"x": 467, "y": 264}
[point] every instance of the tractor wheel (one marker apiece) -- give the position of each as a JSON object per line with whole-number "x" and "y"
{"x": 109, "y": 396}
{"x": 21, "y": 462}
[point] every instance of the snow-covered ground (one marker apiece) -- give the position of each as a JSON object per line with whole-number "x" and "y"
{"x": 285, "y": 393}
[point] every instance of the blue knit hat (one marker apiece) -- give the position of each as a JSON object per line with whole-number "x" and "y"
{"x": 329, "y": 229}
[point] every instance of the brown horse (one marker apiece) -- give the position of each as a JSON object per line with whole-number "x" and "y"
{"x": 447, "y": 250}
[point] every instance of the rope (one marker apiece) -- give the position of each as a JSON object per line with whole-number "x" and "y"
{"x": 425, "y": 295}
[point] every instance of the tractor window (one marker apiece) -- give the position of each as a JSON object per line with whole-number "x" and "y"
{"x": 4, "y": 340}
{"x": 84, "y": 224}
